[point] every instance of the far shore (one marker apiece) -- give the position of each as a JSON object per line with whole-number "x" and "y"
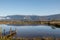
{"x": 54, "y": 23}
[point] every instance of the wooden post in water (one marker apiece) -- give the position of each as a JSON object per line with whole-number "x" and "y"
{"x": 16, "y": 33}
{"x": 15, "y": 30}
{"x": 0, "y": 32}
{"x": 10, "y": 30}
{"x": 4, "y": 32}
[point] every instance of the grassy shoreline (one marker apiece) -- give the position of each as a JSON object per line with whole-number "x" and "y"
{"x": 55, "y": 23}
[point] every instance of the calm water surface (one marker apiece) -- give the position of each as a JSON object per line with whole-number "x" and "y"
{"x": 33, "y": 31}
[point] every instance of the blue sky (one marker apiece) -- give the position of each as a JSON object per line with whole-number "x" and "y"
{"x": 29, "y": 7}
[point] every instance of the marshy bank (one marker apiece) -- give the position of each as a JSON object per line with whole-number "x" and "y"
{"x": 14, "y": 22}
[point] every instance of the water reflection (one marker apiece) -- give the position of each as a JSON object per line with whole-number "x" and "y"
{"x": 57, "y": 26}
{"x": 53, "y": 27}
{"x": 33, "y": 31}
{"x": 21, "y": 25}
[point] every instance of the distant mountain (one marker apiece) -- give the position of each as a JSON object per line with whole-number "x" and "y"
{"x": 23, "y": 17}
{"x": 53, "y": 17}
{"x": 31, "y": 17}
{"x": 2, "y": 18}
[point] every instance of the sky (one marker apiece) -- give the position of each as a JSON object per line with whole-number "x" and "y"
{"x": 29, "y": 7}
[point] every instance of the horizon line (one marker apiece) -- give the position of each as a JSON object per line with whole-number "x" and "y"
{"x": 28, "y": 15}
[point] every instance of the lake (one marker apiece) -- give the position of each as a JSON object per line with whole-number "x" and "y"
{"x": 33, "y": 31}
